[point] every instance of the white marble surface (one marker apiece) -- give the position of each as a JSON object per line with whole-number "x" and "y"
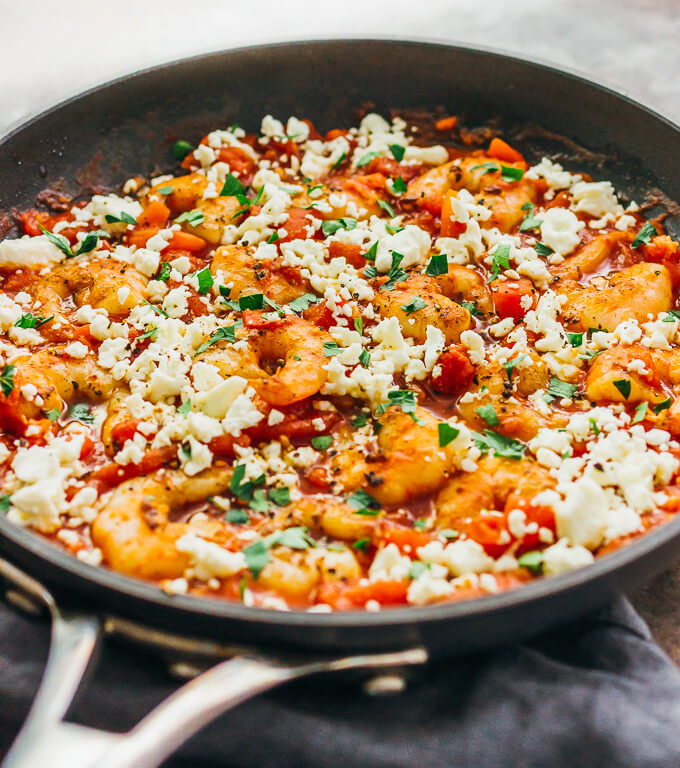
{"x": 54, "y": 48}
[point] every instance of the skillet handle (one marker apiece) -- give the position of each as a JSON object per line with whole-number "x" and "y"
{"x": 45, "y": 740}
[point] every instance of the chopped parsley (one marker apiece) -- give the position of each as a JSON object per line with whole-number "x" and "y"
{"x": 331, "y": 226}
{"x": 362, "y": 544}
{"x": 396, "y": 273}
{"x": 366, "y": 159}
{"x": 365, "y": 358}
{"x": 185, "y": 408}
{"x": 644, "y": 235}
{"x": 4, "y": 502}
{"x": 205, "y": 280}
{"x": 447, "y": 434}
{"x": 280, "y": 496}
{"x": 397, "y": 187}
{"x": 336, "y": 164}
{"x": 192, "y": 218}
{"x": 417, "y": 569}
{"x": 372, "y": 252}
{"x": 405, "y": 399}
{"x": 542, "y": 249}
{"x": 164, "y": 272}
{"x": 487, "y": 167}
{"x": 257, "y": 556}
{"x": 398, "y": 152}
{"x": 232, "y": 187}
{"x": 414, "y": 305}
{"x": 472, "y": 308}
{"x": 7, "y": 380}
{"x": 624, "y": 386}
{"x": 387, "y": 208}
{"x": 124, "y": 217}
{"x": 237, "y": 516}
{"x": 640, "y": 412}
{"x": 358, "y": 323}
{"x": 156, "y": 309}
{"x": 533, "y": 561}
{"x": 363, "y": 503}
{"x": 360, "y": 421}
{"x": 510, "y": 365}
{"x": 502, "y": 446}
{"x": 81, "y": 412}
{"x": 321, "y": 442}
{"x": 499, "y": 260}
{"x": 575, "y": 339}
{"x": 438, "y": 265}
{"x": 530, "y": 222}
{"x": 561, "y": 389}
{"x": 227, "y": 333}
{"x": 32, "y": 321}
{"x": 508, "y": 173}
{"x": 252, "y": 301}
{"x": 662, "y": 406}
{"x": 488, "y": 413}
{"x": 272, "y": 238}
{"x": 243, "y": 490}
{"x": 302, "y": 302}
{"x": 331, "y": 348}
{"x": 53, "y": 414}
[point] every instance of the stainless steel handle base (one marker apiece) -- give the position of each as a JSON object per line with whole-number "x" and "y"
{"x": 48, "y": 742}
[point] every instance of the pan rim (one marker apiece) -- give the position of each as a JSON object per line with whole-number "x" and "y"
{"x": 550, "y": 587}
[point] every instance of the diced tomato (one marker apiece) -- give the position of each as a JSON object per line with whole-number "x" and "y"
{"x": 296, "y": 224}
{"x": 320, "y": 315}
{"x": 344, "y": 597}
{"x": 140, "y": 235}
{"x": 156, "y": 214}
{"x": 31, "y": 221}
{"x": 295, "y": 427}
{"x": 82, "y": 333}
{"x": 88, "y": 447}
{"x": 123, "y": 431}
{"x": 456, "y": 372}
{"x": 428, "y": 190}
{"x": 187, "y": 242}
{"x": 508, "y": 294}
{"x": 489, "y": 529}
{"x": 349, "y": 251}
{"x": 111, "y": 475}
{"x": 542, "y": 515}
{"x": 663, "y": 250}
{"x": 504, "y": 152}
{"x": 446, "y": 123}
{"x": 561, "y": 200}
{"x": 407, "y": 539}
{"x": 223, "y": 445}
{"x": 240, "y": 162}
{"x": 450, "y": 227}
{"x": 256, "y": 319}
{"x": 335, "y": 133}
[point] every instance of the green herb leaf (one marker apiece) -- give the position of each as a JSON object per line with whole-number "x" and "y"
{"x": 53, "y": 414}
{"x": 156, "y": 309}
{"x": 59, "y": 240}
{"x": 331, "y": 348}
{"x": 575, "y": 339}
{"x": 90, "y": 242}
{"x": 499, "y": 260}
{"x": 640, "y": 412}
{"x": 252, "y": 301}
{"x": 180, "y": 149}
{"x": 227, "y": 333}
{"x": 508, "y": 173}
{"x": 321, "y": 442}
{"x": 502, "y": 446}
{"x": 259, "y": 501}
{"x": 337, "y": 163}
{"x": 192, "y": 218}
{"x": 396, "y": 273}
{"x": 387, "y": 208}
{"x": 542, "y": 249}
{"x": 272, "y": 238}
{"x": 510, "y": 365}
{"x": 257, "y": 556}
{"x": 293, "y": 538}
{"x": 662, "y": 406}
{"x": 32, "y": 321}
{"x": 449, "y": 534}
{"x": 358, "y": 323}
{"x": 420, "y": 525}
{"x": 205, "y": 280}
{"x": 165, "y": 190}
{"x": 331, "y": 226}
{"x": 644, "y": 235}
{"x": 370, "y": 272}
{"x": 280, "y": 496}
{"x": 365, "y": 358}
{"x": 488, "y": 168}
{"x": 398, "y": 152}
{"x": 532, "y": 560}
{"x": 672, "y": 316}
{"x": 237, "y": 516}
{"x": 417, "y": 569}
{"x": 164, "y": 272}
{"x": 81, "y": 412}
{"x": 414, "y": 305}
{"x": 302, "y": 302}
{"x": 561, "y": 389}
{"x": 185, "y": 408}
{"x": 488, "y": 413}
{"x": 232, "y": 186}
{"x": 372, "y": 252}
{"x": 364, "y": 503}
{"x": 362, "y": 544}
{"x": 4, "y": 502}
{"x": 530, "y": 223}
{"x": 366, "y": 159}
{"x": 398, "y": 186}
{"x": 124, "y": 217}
{"x": 472, "y": 308}
{"x": 360, "y": 421}
{"x": 447, "y": 434}
{"x": 7, "y": 380}
{"x": 624, "y": 386}
{"x": 240, "y": 489}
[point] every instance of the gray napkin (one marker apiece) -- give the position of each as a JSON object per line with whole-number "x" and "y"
{"x": 597, "y": 693}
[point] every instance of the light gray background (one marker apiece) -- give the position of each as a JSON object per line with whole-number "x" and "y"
{"x": 51, "y": 49}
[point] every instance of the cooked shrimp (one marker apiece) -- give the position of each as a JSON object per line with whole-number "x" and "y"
{"x": 132, "y": 528}
{"x": 218, "y": 213}
{"x": 428, "y": 190}
{"x": 244, "y": 275}
{"x": 589, "y": 257}
{"x": 634, "y": 292}
{"x": 299, "y": 345}
{"x": 463, "y": 284}
{"x": 187, "y": 191}
{"x": 58, "y": 379}
{"x": 335, "y": 518}
{"x": 488, "y": 488}
{"x": 409, "y": 463}
{"x": 439, "y": 310}
{"x": 516, "y": 418}
{"x": 507, "y": 204}
{"x": 633, "y": 363}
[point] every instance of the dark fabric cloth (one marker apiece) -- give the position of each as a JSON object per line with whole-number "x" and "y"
{"x": 597, "y": 693}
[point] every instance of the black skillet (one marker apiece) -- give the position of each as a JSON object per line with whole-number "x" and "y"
{"x": 103, "y": 137}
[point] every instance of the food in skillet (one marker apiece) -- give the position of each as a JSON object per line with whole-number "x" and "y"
{"x": 341, "y": 372}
